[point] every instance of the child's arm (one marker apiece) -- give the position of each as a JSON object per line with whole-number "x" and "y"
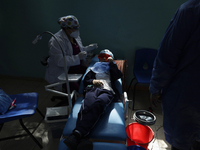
{"x": 89, "y": 77}
{"x": 114, "y": 72}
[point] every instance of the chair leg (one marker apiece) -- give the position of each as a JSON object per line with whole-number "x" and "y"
{"x": 40, "y": 113}
{"x": 1, "y": 126}
{"x": 134, "y": 90}
{"x": 130, "y": 85}
{"x": 36, "y": 141}
{"x": 13, "y": 137}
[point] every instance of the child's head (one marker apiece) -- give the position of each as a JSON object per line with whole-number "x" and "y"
{"x": 105, "y": 56}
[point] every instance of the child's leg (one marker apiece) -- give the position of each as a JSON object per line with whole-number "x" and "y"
{"x": 92, "y": 108}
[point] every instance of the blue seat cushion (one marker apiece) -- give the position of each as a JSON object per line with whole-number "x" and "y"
{"x": 26, "y": 104}
{"x": 111, "y": 125}
{"x": 98, "y": 146}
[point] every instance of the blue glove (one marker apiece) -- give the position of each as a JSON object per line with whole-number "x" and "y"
{"x": 155, "y": 99}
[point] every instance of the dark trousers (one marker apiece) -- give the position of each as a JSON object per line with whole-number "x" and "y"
{"x": 95, "y": 102}
{"x": 196, "y": 146}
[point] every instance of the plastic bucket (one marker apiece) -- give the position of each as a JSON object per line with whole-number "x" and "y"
{"x": 135, "y": 147}
{"x": 138, "y": 134}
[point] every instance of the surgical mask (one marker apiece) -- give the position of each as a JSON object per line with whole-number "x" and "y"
{"x": 75, "y": 34}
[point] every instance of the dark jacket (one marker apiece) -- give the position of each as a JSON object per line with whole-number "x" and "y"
{"x": 176, "y": 76}
{"x": 115, "y": 74}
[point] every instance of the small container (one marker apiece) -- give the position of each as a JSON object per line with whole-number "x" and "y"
{"x": 138, "y": 134}
{"x": 144, "y": 117}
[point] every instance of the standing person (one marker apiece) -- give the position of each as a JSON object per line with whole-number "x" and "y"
{"x": 176, "y": 78}
{"x": 100, "y": 92}
{"x": 75, "y": 53}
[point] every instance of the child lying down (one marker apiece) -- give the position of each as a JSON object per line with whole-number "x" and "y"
{"x": 100, "y": 91}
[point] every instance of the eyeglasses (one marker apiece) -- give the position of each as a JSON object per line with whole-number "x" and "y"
{"x": 103, "y": 56}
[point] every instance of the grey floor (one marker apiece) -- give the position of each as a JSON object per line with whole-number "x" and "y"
{"x": 142, "y": 103}
{"x": 45, "y": 132}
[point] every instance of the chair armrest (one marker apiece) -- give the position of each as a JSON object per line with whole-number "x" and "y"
{"x": 126, "y": 104}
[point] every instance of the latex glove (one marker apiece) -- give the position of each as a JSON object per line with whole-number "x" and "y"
{"x": 155, "y": 100}
{"x": 91, "y": 47}
{"x": 97, "y": 83}
{"x": 82, "y": 55}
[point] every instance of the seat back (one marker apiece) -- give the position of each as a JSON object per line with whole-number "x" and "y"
{"x": 144, "y": 59}
{"x": 122, "y": 66}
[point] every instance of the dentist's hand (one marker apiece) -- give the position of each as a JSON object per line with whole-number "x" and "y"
{"x": 91, "y": 47}
{"x": 155, "y": 100}
{"x": 94, "y": 45}
{"x": 82, "y": 55}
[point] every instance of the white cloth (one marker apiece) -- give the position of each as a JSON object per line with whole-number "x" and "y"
{"x": 100, "y": 67}
{"x": 104, "y": 77}
{"x": 55, "y": 62}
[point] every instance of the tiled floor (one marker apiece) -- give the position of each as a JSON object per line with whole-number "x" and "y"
{"x": 16, "y": 85}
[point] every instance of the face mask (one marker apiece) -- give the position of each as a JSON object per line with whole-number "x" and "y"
{"x": 75, "y": 34}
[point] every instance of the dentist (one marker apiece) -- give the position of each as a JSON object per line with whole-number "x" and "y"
{"x": 74, "y": 51}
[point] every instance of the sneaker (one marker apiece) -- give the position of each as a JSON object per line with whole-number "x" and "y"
{"x": 85, "y": 144}
{"x": 71, "y": 142}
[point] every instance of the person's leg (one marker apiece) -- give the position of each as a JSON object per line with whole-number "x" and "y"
{"x": 73, "y": 140}
{"x": 85, "y": 144}
{"x": 173, "y": 148}
{"x": 92, "y": 108}
{"x": 90, "y": 113}
{"x": 196, "y": 146}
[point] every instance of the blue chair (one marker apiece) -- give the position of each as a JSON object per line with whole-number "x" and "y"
{"x": 26, "y": 105}
{"x": 110, "y": 128}
{"x": 142, "y": 69}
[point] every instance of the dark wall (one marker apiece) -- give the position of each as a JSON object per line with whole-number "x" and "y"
{"x": 121, "y": 26}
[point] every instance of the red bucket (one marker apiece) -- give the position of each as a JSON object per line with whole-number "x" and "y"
{"x": 138, "y": 134}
